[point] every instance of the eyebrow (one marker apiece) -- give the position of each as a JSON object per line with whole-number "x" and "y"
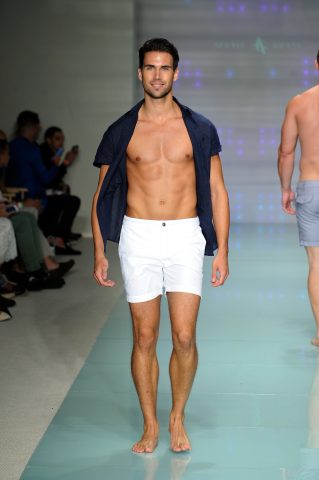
{"x": 151, "y": 65}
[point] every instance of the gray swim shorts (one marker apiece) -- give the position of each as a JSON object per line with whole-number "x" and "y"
{"x": 307, "y": 212}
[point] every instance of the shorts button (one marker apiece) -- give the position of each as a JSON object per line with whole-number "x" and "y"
{"x": 163, "y": 224}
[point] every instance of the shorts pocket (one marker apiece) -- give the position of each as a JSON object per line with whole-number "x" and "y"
{"x": 303, "y": 198}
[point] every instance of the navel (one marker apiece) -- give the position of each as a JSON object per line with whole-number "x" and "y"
{"x": 138, "y": 159}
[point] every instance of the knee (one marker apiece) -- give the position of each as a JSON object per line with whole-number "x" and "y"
{"x": 183, "y": 341}
{"x": 145, "y": 339}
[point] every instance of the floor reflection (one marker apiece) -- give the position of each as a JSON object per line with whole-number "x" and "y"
{"x": 309, "y": 456}
{"x": 178, "y": 466}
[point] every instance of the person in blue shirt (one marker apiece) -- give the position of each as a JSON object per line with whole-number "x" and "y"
{"x": 26, "y": 170}
{"x": 161, "y": 195}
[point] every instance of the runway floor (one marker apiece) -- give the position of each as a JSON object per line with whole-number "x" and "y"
{"x": 254, "y": 408}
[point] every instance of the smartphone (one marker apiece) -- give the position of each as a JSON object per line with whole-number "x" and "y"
{"x": 58, "y": 152}
{"x": 75, "y": 148}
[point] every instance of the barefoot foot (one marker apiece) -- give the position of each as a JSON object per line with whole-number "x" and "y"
{"x": 148, "y": 442}
{"x": 179, "y": 438}
{"x": 315, "y": 341}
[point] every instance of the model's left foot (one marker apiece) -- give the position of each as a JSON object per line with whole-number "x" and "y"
{"x": 315, "y": 341}
{"x": 179, "y": 439}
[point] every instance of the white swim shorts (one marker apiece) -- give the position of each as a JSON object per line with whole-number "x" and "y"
{"x": 161, "y": 256}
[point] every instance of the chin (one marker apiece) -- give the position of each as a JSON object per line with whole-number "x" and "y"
{"x": 158, "y": 95}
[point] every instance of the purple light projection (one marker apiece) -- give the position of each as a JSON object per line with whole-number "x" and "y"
{"x": 189, "y": 73}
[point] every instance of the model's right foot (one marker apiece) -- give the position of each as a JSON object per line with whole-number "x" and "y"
{"x": 315, "y": 341}
{"x": 148, "y": 442}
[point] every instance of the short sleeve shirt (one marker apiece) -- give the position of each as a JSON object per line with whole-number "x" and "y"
{"x": 111, "y": 205}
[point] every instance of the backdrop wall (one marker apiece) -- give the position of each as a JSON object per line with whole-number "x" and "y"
{"x": 241, "y": 61}
{"x": 74, "y": 62}
{"x": 71, "y": 62}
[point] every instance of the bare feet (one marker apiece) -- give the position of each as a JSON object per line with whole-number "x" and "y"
{"x": 179, "y": 438}
{"x": 148, "y": 442}
{"x": 315, "y": 341}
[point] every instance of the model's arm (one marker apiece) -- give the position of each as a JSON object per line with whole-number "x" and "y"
{"x": 220, "y": 207}
{"x": 286, "y": 156}
{"x": 101, "y": 264}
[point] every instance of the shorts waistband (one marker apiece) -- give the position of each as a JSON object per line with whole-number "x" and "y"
{"x": 307, "y": 184}
{"x": 181, "y": 221}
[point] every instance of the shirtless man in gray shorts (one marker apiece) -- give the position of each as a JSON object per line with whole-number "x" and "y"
{"x": 302, "y": 121}
{"x": 160, "y": 186}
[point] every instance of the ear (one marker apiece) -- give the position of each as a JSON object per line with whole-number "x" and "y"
{"x": 139, "y": 74}
{"x": 176, "y": 75}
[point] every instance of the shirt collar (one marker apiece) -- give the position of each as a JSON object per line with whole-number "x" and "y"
{"x": 134, "y": 110}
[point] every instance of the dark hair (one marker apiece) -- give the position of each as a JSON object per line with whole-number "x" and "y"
{"x": 158, "y": 45}
{"x": 318, "y": 56}
{"x": 3, "y": 146}
{"x": 27, "y": 119}
{"x": 51, "y": 131}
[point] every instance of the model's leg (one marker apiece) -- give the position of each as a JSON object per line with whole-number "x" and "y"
{"x": 313, "y": 287}
{"x": 183, "y": 309}
{"x": 145, "y": 318}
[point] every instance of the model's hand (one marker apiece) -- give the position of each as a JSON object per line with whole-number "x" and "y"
{"x": 101, "y": 266}
{"x": 288, "y": 196}
{"x": 220, "y": 269}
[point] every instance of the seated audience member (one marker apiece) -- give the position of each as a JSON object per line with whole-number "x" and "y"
{"x": 52, "y": 266}
{"x": 26, "y": 232}
{"x": 52, "y": 151}
{"x": 56, "y": 212}
{"x": 8, "y": 252}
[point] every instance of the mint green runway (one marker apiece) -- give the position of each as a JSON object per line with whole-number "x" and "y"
{"x": 254, "y": 409}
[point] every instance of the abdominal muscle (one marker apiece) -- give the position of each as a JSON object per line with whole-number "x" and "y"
{"x": 161, "y": 190}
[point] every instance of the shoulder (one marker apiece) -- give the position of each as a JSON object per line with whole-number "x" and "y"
{"x": 302, "y": 99}
{"x": 14, "y": 142}
{"x": 18, "y": 145}
{"x": 292, "y": 107}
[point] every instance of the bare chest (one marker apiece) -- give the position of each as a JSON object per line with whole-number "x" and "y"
{"x": 160, "y": 143}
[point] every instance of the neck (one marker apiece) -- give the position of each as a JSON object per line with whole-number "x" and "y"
{"x": 159, "y": 109}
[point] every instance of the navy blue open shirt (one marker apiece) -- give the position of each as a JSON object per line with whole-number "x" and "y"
{"x": 111, "y": 204}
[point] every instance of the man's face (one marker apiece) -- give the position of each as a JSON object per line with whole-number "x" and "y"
{"x": 157, "y": 75}
{"x": 56, "y": 141}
